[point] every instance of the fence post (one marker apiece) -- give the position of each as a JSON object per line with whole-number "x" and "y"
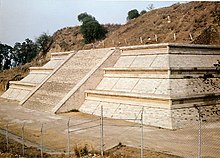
{"x": 191, "y": 38}
{"x": 174, "y": 37}
{"x": 155, "y": 37}
{"x": 23, "y": 139}
{"x": 68, "y": 137}
{"x": 101, "y": 132}
{"x": 41, "y": 131}
{"x": 141, "y": 40}
{"x": 126, "y": 41}
{"x": 142, "y": 134}
{"x": 6, "y": 135}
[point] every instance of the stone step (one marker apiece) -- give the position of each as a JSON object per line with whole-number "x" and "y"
{"x": 136, "y": 72}
{"x": 22, "y": 85}
{"x": 170, "y": 48}
{"x": 41, "y": 70}
{"x": 60, "y": 55}
{"x": 18, "y": 90}
{"x": 194, "y": 72}
{"x": 184, "y": 72}
{"x": 35, "y": 78}
{"x": 128, "y": 98}
{"x": 16, "y": 94}
{"x": 143, "y": 50}
{"x": 151, "y": 100}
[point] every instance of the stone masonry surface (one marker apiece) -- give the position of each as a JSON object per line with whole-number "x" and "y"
{"x": 58, "y": 85}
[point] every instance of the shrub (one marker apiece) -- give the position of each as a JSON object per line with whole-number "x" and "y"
{"x": 132, "y": 14}
{"x": 90, "y": 28}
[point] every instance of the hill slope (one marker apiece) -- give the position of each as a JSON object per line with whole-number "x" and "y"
{"x": 185, "y": 20}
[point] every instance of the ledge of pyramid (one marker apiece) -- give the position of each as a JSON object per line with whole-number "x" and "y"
{"x": 193, "y": 49}
{"x": 164, "y": 45}
{"x": 197, "y": 46}
{"x": 198, "y": 100}
{"x": 148, "y": 46}
{"x": 172, "y": 72}
{"x": 170, "y": 48}
{"x": 60, "y": 55}
{"x": 194, "y": 72}
{"x": 129, "y": 98}
{"x": 173, "y": 55}
{"x": 22, "y": 85}
{"x": 154, "y": 100}
{"x": 136, "y": 72}
{"x": 37, "y": 70}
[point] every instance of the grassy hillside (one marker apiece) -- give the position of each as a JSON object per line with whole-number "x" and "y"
{"x": 195, "y": 19}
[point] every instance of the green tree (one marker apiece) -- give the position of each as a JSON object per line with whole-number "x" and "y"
{"x": 84, "y": 17}
{"x": 6, "y": 56}
{"x": 90, "y": 28}
{"x": 143, "y": 12}
{"x": 43, "y": 42}
{"x": 132, "y": 14}
{"x": 24, "y": 52}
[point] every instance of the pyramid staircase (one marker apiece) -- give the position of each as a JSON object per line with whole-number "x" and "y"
{"x": 166, "y": 80}
{"x": 19, "y": 90}
{"x": 64, "y": 90}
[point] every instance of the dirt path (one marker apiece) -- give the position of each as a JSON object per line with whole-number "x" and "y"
{"x": 181, "y": 142}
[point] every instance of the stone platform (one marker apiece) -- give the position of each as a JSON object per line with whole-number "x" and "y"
{"x": 167, "y": 81}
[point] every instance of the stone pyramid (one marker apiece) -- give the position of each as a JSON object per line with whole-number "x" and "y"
{"x": 166, "y": 81}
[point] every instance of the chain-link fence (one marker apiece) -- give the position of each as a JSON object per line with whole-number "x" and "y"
{"x": 92, "y": 135}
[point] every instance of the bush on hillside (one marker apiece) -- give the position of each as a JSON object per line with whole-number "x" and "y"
{"x": 43, "y": 42}
{"x": 90, "y": 28}
{"x": 132, "y": 14}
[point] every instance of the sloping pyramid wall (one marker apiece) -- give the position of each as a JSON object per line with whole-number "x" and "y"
{"x": 167, "y": 80}
{"x": 19, "y": 90}
{"x": 82, "y": 71}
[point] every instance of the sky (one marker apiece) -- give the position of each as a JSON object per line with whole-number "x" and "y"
{"x": 21, "y": 19}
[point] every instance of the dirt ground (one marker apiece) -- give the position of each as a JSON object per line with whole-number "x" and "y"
{"x": 157, "y": 141}
{"x": 120, "y": 151}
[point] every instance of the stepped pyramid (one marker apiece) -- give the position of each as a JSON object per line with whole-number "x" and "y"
{"x": 166, "y": 81}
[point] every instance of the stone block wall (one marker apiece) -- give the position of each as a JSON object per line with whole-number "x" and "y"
{"x": 190, "y": 116}
{"x": 168, "y": 96}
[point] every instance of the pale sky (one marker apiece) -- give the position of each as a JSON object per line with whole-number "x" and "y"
{"x": 21, "y": 19}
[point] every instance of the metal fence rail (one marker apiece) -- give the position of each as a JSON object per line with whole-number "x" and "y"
{"x": 198, "y": 141}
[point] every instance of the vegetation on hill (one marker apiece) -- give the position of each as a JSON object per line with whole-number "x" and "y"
{"x": 24, "y": 52}
{"x": 15, "y": 61}
{"x": 132, "y": 14}
{"x": 185, "y": 21}
{"x": 90, "y": 28}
